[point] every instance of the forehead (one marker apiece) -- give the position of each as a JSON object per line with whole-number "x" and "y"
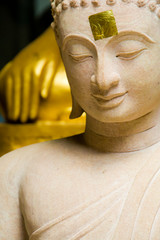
{"x": 128, "y": 16}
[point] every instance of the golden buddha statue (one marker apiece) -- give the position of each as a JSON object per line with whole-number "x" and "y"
{"x": 35, "y": 94}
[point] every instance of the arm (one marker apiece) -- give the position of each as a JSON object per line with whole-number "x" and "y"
{"x": 11, "y": 220}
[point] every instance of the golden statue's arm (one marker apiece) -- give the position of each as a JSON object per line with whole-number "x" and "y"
{"x": 28, "y": 77}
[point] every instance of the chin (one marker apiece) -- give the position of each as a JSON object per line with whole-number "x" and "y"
{"x": 117, "y": 115}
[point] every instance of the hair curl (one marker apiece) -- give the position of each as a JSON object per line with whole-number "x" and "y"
{"x": 58, "y": 6}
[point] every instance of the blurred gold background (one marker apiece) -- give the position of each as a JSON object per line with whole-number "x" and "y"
{"x": 35, "y": 97}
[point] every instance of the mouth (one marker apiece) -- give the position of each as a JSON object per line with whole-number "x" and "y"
{"x": 110, "y": 101}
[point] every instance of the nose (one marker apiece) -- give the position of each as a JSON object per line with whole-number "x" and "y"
{"x": 105, "y": 77}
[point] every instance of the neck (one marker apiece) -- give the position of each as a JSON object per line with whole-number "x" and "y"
{"x": 123, "y": 137}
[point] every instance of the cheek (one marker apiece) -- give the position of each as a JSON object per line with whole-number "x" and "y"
{"x": 79, "y": 77}
{"x": 141, "y": 75}
{"x": 144, "y": 86}
{"x": 79, "y": 74}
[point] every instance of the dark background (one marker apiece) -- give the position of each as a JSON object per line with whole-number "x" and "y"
{"x": 21, "y": 21}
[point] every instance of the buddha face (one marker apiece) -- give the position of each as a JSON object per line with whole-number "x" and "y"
{"x": 114, "y": 79}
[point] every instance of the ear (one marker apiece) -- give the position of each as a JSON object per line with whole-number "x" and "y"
{"x": 76, "y": 109}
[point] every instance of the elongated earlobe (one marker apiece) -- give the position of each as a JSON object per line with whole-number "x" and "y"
{"x": 76, "y": 109}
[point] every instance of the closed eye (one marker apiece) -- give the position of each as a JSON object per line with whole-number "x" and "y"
{"x": 130, "y": 55}
{"x": 80, "y": 58}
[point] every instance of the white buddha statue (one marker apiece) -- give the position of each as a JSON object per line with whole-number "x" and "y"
{"x": 103, "y": 184}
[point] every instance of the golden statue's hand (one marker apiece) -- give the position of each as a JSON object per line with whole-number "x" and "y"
{"x": 28, "y": 78}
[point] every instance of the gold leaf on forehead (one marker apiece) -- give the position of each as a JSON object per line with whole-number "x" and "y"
{"x": 103, "y": 25}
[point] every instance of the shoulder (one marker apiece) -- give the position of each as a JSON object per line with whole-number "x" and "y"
{"x": 17, "y": 164}
{"x": 35, "y": 153}
{"x": 46, "y": 178}
{"x": 49, "y": 159}
{"x": 45, "y": 162}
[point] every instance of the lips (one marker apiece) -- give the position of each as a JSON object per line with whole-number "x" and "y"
{"x": 110, "y": 101}
{"x": 108, "y": 98}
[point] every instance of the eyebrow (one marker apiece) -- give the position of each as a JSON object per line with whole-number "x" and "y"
{"x": 132, "y": 33}
{"x": 76, "y": 36}
{"x": 113, "y": 38}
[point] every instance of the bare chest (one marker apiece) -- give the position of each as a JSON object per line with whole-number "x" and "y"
{"x": 82, "y": 201}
